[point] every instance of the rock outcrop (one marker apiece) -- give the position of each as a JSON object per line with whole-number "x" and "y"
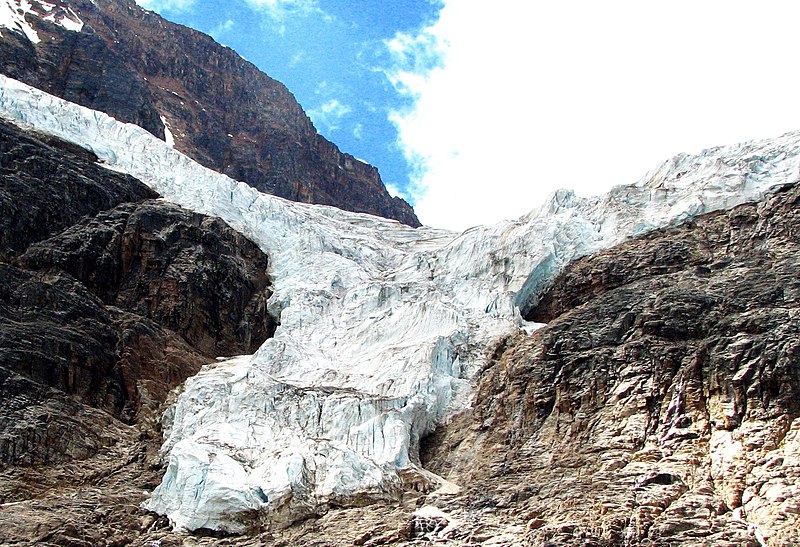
{"x": 108, "y": 300}
{"x": 49, "y": 185}
{"x": 660, "y": 405}
{"x": 185, "y": 271}
{"x": 113, "y": 56}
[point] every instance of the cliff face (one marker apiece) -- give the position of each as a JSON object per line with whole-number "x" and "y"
{"x": 661, "y": 403}
{"x": 108, "y": 299}
{"x": 219, "y": 109}
{"x": 659, "y": 406}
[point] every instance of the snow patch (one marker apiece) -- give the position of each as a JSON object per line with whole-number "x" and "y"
{"x": 67, "y": 19}
{"x": 168, "y": 137}
{"x": 382, "y": 326}
{"x": 13, "y": 16}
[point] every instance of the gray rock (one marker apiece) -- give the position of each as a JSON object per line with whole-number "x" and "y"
{"x": 49, "y": 184}
{"x": 107, "y": 302}
{"x": 661, "y": 404}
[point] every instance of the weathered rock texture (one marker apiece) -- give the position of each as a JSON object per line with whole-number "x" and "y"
{"x": 185, "y": 271}
{"x": 220, "y": 109}
{"x": 661, "y": 404}
{"x": 49, "y": 185}
{"x": 108, "y": 300}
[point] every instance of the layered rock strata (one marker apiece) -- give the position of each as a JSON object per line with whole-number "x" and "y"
{"x": 108, "y": 299}
{"x": 661, "y": 403}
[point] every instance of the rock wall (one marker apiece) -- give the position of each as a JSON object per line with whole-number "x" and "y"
{"x": 142, "y": 69}
{"x": 187, "y": 272}
{"x": 660, "y": 405}
{"x": 48, "y": 185}
{"x": 108, "y": 299}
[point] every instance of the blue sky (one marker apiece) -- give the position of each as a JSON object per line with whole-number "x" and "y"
{"x": 476, "y": 111}
{"x": 331, "y": 54}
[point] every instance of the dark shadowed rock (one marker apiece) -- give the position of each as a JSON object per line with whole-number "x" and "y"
{"x": 185, "y": 271}
{"x": 108, "y": 300}
{"x": 49, "y": 184}
{"x": 41, "y": 425}
{"x": 57, "y": 333}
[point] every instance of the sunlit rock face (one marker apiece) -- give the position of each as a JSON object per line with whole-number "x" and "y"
{"x": 195, "y": 94}
{"x": 660, "y": 405}
{"x": 382, "y": 326}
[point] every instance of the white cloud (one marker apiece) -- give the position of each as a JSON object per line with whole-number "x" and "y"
{"x": 166, "y": 5}
{"x": 394, "y": 191}
{"x": 297, "y": 58}
{"x": 358, "y": 131}
{"x": 517, "y": 99}
{"x": 327, "y": 116}
{"x": 221, "y": 29}
{"x": 281, "y": 9}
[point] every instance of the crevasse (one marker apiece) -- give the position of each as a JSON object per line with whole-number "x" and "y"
{"x": 383, "y": 327}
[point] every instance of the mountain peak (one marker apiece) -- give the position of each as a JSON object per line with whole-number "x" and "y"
{"x": 216, "y": 107}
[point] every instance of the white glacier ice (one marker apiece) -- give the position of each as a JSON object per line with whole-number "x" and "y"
{"x": 383, "y": 327}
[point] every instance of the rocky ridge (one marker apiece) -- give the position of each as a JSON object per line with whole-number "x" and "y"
{"x": 109, "y": 298}
{"x": 179, "y": 84}
{"x": 660, "y": 404}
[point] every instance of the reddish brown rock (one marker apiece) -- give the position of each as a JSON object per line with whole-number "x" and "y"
{"x": 661, "y": 404}
{"x": 187, "y": 272}
{"x": 99, "y": 321}
{"x": 223, "y": 112}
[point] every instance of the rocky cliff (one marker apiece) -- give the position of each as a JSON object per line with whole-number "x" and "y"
{"x": 179, "y": 84}
{"x": 109, "y": 298}
{"x": 656, "y": 407}
{"x": 661, "y": 403}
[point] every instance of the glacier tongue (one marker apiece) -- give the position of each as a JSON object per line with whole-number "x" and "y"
{"x": 382, "y": 326}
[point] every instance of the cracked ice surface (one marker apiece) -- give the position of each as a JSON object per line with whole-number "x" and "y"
{"x": 382, "y": 326}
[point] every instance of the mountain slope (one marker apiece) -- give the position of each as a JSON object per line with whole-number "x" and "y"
{"x": 113, "y": 56}
{"x": 108, "y": 299}
{"x": 661, "y": 403}
{"x": 382, "y": 327}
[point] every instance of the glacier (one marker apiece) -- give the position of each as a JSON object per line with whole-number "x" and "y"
{"x": 382, "y": 327}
